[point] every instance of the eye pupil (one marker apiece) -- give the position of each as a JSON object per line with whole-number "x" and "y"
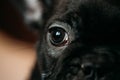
{"x": 57, "y": 36}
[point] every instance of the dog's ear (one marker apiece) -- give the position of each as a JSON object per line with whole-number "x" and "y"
{"x": 34, "y": 12}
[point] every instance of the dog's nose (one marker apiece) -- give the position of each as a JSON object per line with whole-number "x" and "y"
{"x": 88, "y": 69}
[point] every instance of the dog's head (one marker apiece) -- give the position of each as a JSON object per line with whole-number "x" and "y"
{"x": 80, "y": 41}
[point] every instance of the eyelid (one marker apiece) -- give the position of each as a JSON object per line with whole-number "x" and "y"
{"x": 66, "y": 27}
{"x": 61, "y": 25}
{"x": 57, "y": 51}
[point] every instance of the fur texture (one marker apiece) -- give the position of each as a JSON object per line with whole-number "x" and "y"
{"x": 79, "y": 40}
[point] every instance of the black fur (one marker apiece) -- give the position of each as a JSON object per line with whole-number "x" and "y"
{"x": 93, "y": 50}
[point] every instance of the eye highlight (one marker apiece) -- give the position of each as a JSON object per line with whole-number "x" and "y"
{"x": 57, "y": 36}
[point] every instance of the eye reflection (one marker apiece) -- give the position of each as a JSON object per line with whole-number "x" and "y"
{"x": 58, "y": 36}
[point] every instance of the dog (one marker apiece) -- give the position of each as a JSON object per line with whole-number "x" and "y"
{"x": 79, "y": 39}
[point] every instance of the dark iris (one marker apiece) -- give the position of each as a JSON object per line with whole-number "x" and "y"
{"x": 57, "y": 35}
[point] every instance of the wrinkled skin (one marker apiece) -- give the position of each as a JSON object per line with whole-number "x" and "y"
{"x": 90, "y": 47}
{"x": 93, "y": 51}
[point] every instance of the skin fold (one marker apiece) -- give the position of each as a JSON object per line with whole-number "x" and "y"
{"x": 79, "y": 40}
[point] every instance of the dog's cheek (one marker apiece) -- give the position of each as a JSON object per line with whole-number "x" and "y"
{"x": 45, "y": 60}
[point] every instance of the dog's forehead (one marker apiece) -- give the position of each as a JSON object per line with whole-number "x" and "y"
{"x": 91, "y": 20}
{"x": 65, "y": 9}
{"x": 75, "y": 4}
{"x": 89, "y": 12}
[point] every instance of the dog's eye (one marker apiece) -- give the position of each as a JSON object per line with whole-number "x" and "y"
{"x": 57, "y": 36}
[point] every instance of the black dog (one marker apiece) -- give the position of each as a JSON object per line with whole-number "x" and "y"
{"x": 79, "y": 39}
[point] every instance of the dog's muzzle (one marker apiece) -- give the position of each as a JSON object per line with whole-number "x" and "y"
{"x": 97, "y": 64}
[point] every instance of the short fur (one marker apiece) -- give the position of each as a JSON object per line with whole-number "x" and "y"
{"x": 93, "y": 52}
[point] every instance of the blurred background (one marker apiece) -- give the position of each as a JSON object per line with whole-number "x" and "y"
{"x": 17, "y": 45}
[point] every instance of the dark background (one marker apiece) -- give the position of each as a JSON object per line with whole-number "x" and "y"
{"x": 12, "y": 23}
